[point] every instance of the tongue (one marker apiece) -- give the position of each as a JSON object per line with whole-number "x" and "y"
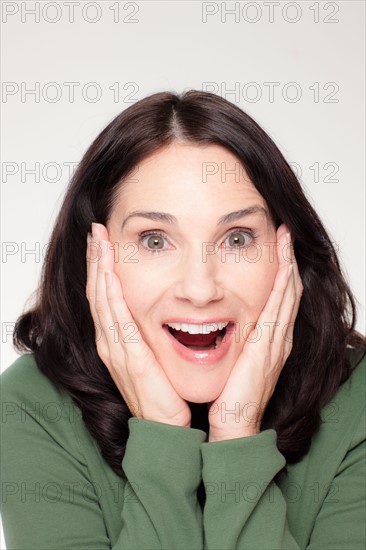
{"x": 202, "y": 340}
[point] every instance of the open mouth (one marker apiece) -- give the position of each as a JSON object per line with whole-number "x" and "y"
{"x": 202, "y": 342}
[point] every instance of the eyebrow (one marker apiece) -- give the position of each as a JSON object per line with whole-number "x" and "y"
{"x": 163, "y": 217}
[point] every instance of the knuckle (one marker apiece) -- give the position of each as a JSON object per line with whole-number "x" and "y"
{"x": 102, "y": 352}
{"x": 99, "y": 305}
{"x": 97, "y": 338}
{"x": 136, "y": 370}
{"x": 288, "y": 349}
{"x": 98, "y": 332}
{"x": 114, "y": 362}
{"x": 89, "y": 292}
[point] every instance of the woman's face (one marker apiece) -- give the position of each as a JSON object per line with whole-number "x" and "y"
{"x": 197, "y": 266}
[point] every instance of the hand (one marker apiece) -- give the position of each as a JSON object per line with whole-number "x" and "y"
{"x": 131, "y": 363}
{"x": 254, "y": 376}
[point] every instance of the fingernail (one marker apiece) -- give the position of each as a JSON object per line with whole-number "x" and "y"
{"x": 95, "y": 229}
{"x": 89, "y": 237}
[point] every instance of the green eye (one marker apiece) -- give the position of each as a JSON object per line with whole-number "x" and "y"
{"x": 240, "y": 239}
{"x": 155, "y": 242}
{"x": 152, "y": 241}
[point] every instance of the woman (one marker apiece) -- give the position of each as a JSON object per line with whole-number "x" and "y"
{"x": 196, "y": 381}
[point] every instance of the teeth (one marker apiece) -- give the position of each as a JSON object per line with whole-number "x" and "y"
{"x": 198, "y": 329}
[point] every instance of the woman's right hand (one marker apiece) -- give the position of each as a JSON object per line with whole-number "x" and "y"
{"x": 140, "y": 379}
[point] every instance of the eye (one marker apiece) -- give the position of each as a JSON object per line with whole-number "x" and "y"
{"x": 154, "y": 241}
{"x": 240, "y": 238}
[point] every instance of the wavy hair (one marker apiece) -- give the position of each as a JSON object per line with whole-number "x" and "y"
{"x": 59, "y": 328}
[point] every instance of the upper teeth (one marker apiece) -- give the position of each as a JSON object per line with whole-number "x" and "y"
{"x": 198, "y": 329}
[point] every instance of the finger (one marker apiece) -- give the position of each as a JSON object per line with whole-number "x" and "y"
{"x": 139, "y": 370}
{"x": 139, "y": 357}
{"x": 291, "y": 303}
{"x": 92, "y": 256}
{"x": 121, "y": 315}
{"x": 102, "y": 308}
{"x": 118, "y": 326}
{"x": 270, "y": 311}
{"x": 138, "y": 354}
{"x": 284, "y": 319}
{"x": 100, "y": 232}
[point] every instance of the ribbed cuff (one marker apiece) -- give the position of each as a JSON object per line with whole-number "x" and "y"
{"x": 251, "y": 457}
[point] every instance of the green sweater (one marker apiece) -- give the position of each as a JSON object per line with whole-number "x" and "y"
{"x": 59, "y": 493}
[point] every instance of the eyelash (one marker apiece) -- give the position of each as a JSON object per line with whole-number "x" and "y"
{"x": 146, "y": 234}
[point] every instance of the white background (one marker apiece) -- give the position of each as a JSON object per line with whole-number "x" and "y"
{"x": 316, "y": 46}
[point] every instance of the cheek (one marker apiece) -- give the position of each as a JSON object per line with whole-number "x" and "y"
{"x": 264, "y": 286}
{"x": 257, "y": 283}
{"x": 140, "y": 290}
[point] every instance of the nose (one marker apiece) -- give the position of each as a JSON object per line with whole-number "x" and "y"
{"x": 198, "y": 279}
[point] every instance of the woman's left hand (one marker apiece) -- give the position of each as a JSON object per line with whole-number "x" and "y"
{"x": 238, "y": 410}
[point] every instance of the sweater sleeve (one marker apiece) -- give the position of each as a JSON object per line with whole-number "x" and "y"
{"x": 163, "y": 467}
{"x": 340, "y": 523}
{"x": 50, "y": 500}
{"x": 244, "y": 507}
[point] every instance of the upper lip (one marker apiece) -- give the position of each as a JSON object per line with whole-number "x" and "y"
{"x": 190, "y": 321}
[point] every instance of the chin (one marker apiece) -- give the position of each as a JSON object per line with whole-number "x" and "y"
{"x": 197, "y": 394}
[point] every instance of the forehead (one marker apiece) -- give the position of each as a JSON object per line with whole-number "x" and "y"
{"x": 188, "y": 178}
{"x": 187, "y": 161}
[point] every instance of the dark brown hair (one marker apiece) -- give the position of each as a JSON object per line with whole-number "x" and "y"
{"x": 59, "y": 329}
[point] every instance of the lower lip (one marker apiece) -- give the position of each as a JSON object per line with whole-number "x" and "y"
{"x": 203, "y": 357}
